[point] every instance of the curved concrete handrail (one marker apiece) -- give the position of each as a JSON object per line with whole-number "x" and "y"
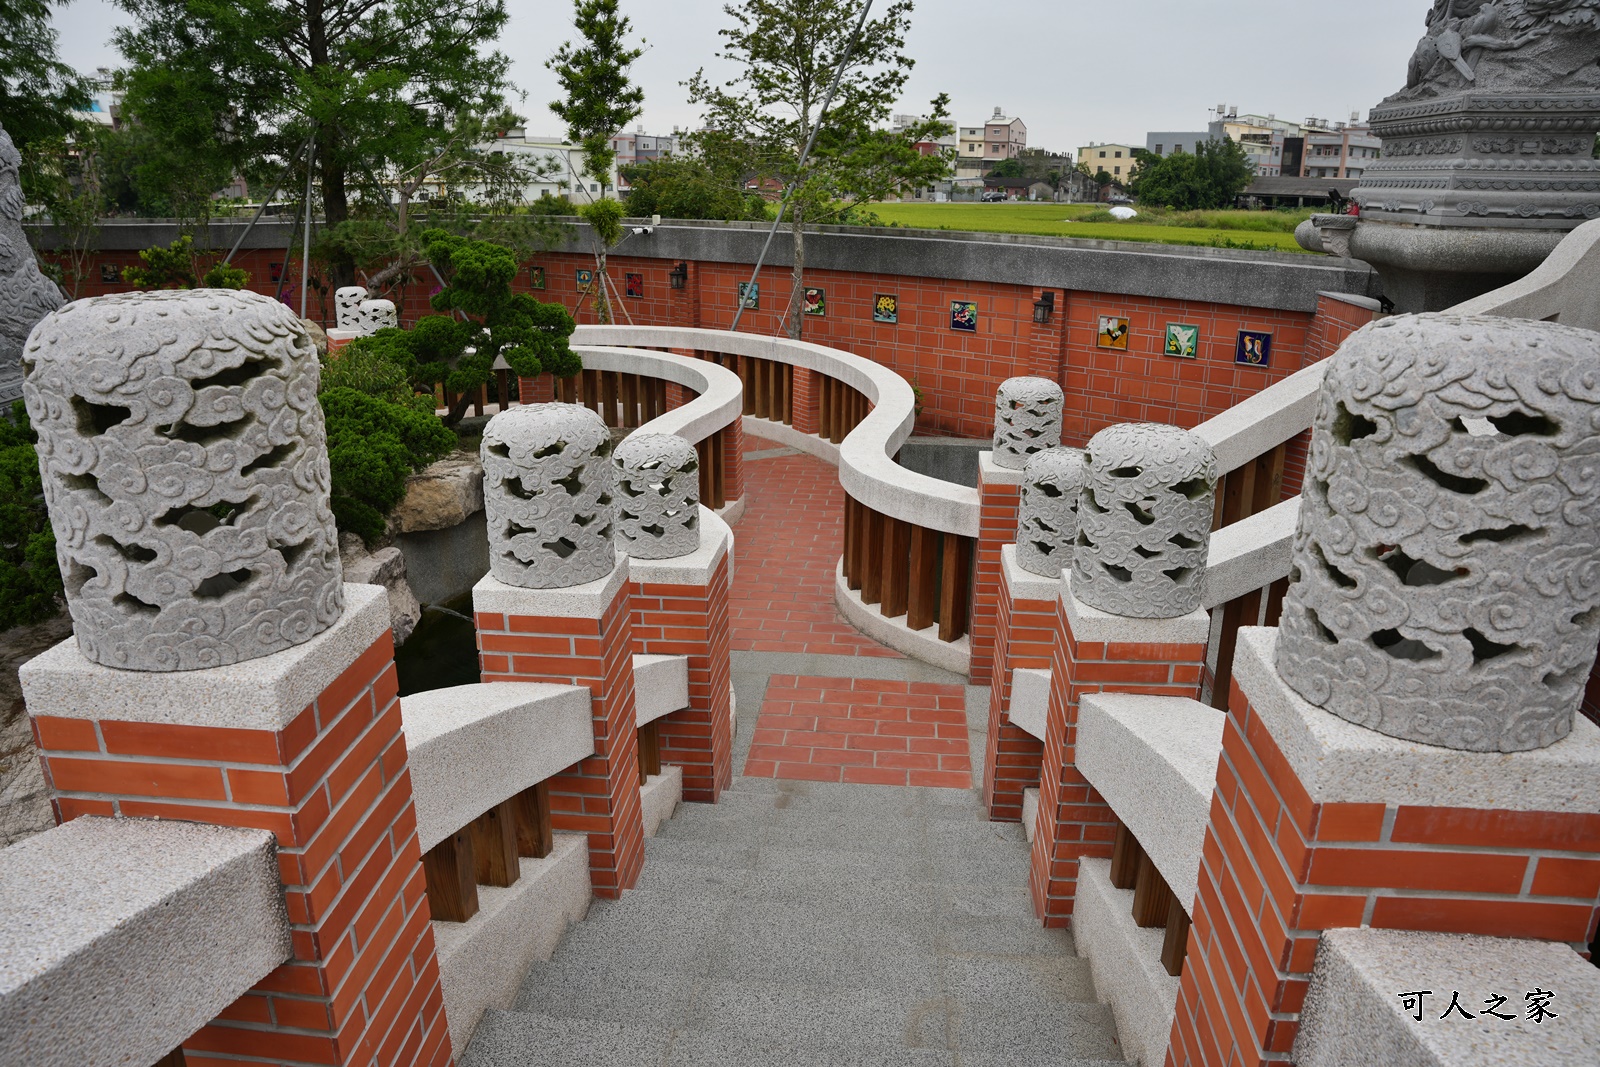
{"x": 867, "y": 469}
{"x": 1262, "y": 422}
{"x": 119, "y": 938}
{"x": 1250, "y": 553}
{"x": 721, "y": 392}
{"x": 1565, "y": 288}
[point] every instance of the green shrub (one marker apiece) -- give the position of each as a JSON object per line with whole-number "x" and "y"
{"x": 380, "y": 365}
{"x": 175, "y": 267}
{"x": 373, "y": 444}
{"x": 30, "y": 579}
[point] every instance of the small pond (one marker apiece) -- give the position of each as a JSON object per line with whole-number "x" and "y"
{"x": 442, "y": 651}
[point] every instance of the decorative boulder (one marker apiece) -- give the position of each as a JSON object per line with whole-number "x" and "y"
{"x": 1047, "y": 520}
{"x": 547, "y": 491}
{"x": 185, "y": 470}
{"x": 658, "y": 496}
{"x": 26, "y": 295}
{"x": 1027, "y": 419}
{"x": 377, "y": 315}
{"x": 1445, "y": 582}
{"x": 347, "y": 301}
{"x": 1144, "y": 521}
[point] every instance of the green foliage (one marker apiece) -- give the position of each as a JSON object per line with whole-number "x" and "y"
{"x": 1211, "y": 177}
{"x": 381, "y": 365}
{"x": 687, "y": 188}
{"x": 373, "y": 445}
{"x": 1007, "y": 168}
{"x": 38, "y": 93}
{"x": 604, "y": 217}
{"x": 30, "y": 580}
{"x": 174, "y": 267}
{"x": 600, "y": 99}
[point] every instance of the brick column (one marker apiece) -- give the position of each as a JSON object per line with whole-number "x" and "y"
{"x": 998, "y": 489}
{"x": 1025, "y": 631}
{"x": 1318, "y": 823}
{"x": 1097, "y": 652}
{"x": 733, "y": 460}
{"x": 684, "y": 308}
{"x": 807, "y": 387}
{"x": 680, "y": 608}
{"x": 581, "y": 635}
{"x": 540, "y": 390}
{"x": 305, "y": 743}
{"x": 1047, "y": 342}
{"x": 678, "y": 395}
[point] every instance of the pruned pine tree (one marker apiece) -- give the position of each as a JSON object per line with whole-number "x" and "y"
{"x": 758, "y": 123}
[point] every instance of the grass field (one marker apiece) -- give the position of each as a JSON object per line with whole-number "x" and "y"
{"x": 1262, "y": 230}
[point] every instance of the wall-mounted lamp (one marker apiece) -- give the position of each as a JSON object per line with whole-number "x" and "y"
{"x": 679, "y": 275}
{"x": 1044, "y": 307}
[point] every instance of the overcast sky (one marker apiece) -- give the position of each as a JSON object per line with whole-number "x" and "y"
{"x": 1073, "y": 70}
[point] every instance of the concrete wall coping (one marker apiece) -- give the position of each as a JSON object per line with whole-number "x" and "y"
{"x": 1026, "y": 585}
{"x": 1096, "y": 626}
{"x": 1264, "y": 421}
{"x": 867, "y": 469}
{"x": 954, "y": 656}
{"x": 1154, "y": 759}
{"x": 991, "y": 473}
{"x": 784, "y": 434}
{"x": 259, "y": 694}
{"x": 660, "y": 686}
{"x": 716, "y": 541}
{"x": 1340, "y": 762}
{"x": 1354, "y": 1017}
{"x": 1250, "y": 553}
{"x": 1353, "y": 300}
{"x": 1564, "y": 288}
{"x": 1125, "y": 961}
{"x": 119, "y": 938}
{"x": 1030, "y": 700}
{"x": 471, "y": 747}
{"x": 587, "y": 601}
{"x": 721, "y": 394}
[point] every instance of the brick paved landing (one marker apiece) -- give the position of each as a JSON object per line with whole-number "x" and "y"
{"x": 862, "y": 730}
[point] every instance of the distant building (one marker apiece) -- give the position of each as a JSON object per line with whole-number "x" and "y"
{"x": 641, "y": 147}
{"x": 1315, "y": 148}
{"x": 1021, "y": 188}
{"x": 1115, "y": 159}
{"x": 105, "y": 102}
{"x": 948, "y": 144}
{"x": 1261, "y": 137}
{"x": 1003, "y": 138}
{"x": 1340, "y": 150}
{"x": 560, "y": 166}
{"x": 1165, "y": 144}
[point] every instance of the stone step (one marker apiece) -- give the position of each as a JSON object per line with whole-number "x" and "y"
{"x": 738, "y": 824}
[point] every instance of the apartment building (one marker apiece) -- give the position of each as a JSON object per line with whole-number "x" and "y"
{"x": 1115, "y": 159}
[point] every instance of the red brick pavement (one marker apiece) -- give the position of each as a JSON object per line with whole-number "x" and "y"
{"x": 862, "y": 730}
{"x": 788, "y": 545}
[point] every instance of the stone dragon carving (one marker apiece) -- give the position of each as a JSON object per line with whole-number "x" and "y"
{"x": 26, "y": 295}
{"x": 1505, "y": 46}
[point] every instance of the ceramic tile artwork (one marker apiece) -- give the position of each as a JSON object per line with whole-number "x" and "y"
{"x": 750, "y": 295}
{"x": 1113, "y": 333}
{"x": 635, "y": 285}
{"x": 536, "y": 277}
{"x": 885, "y": 308}
{"x": 964, "y": 316}
{"x": 585, "y": 280}
{"x": 816, "y": 302}
{"x": 1183, "y": 340}
{"x": 1254, "y": 348}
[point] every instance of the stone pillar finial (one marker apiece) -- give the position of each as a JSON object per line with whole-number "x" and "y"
{"x": 1144, "y": 521}
{"x": 1027, "y": 419}
{"x": 658, "y": 496}
{"x": 376, "y": 315}
{"x": 1445, "y": 582}
{"x": 547, "y": 489}
{"x": 185, "y": 470}
{"x": 347, "y": 306}
{"x": 1047, "y": 519}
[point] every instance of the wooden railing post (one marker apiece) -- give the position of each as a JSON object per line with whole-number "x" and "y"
{"x": 451, "y": 873}
{"x": 649, "y": 750}
{"x": 1247, "y": 491}
{"x": 922, "y": 592}
{"x": 494, "y": 845}
{"x": 872, "y": 558}
{"x": 532, "y": 810}
{"x": 896, "y": 566}
{"x": 955, "y": 587}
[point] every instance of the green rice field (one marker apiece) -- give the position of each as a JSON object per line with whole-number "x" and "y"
{"x": 1260, "y": 230}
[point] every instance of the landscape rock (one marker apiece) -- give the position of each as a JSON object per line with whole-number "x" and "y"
{"x": 440, "y": 496}
{"x": 385, "y": 567}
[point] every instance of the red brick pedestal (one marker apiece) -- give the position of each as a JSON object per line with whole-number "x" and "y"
{"x": 540, "y": 390}
{"x": 997, "y": 526}
{"x": 1317, "y": 823}
{"x": 807, "y": 387}
{"x": 581, "y": 635}
{"x": 305, "y": 743}
{"x": 680, "y": 608}
{"x": 1097, "y": 652}
{"x": 1025, "y": 630}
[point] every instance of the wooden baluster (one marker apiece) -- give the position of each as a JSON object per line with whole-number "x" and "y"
{"x": 872, "y": 558}
{"x": 896, "y": 566}
{"x": 922, "y": 591}
{"x": 649, "y": 750}
{"x": 719, "y": 463}
{"x": 172, "y": 1059}
{"x": 452, "y": 878}
{"x": 774, "y": 391}
{"x": 534, "y": 836}
{"x": 1175, "y": 947}
{"x": 494, "y": 845}
{"x": 1125, "y": 853}
{"x": 741, "y": 367}
{"x": 502, "y": 385}
{"x": 630, "y": 401}
{"x": 703, "y": 449}
{"x": 848, "y": 556}
{"x": 608, "y": 397}
{"x": 788, "y": 394}
{"x": 954, "y": 587}
{"x": 1151, "y": 897}
{"x": 1275, "y": 594}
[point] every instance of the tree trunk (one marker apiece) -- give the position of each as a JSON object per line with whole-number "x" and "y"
{"x": 797, "y": 301}
{"x": 602, "y": 298}
{"x": 335, "y": 209}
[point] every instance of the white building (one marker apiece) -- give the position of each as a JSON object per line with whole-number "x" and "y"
{"x": 559, "y": 166}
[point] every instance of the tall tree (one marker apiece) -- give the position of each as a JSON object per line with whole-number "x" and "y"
{"x": 789, "y": 53}
{"x": 371, "y": 84}
{"x": 600, "y": 101}
{"x": 1212, "y": 177}
{"x": 38, "y": 93}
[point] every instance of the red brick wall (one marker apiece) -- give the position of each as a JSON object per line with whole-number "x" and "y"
{"x": 1278, "y": 869}
{"x": 362, "y": 986}
{"x": 997, "y": 526}
{"x": 1335, "y": 320}
{"x": 599, "y": 796}
{"x": 690, "y": 620}
{"x": 1024, "y": 637}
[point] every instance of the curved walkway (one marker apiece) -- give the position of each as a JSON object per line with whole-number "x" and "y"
{"x": 826, "y": 912}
